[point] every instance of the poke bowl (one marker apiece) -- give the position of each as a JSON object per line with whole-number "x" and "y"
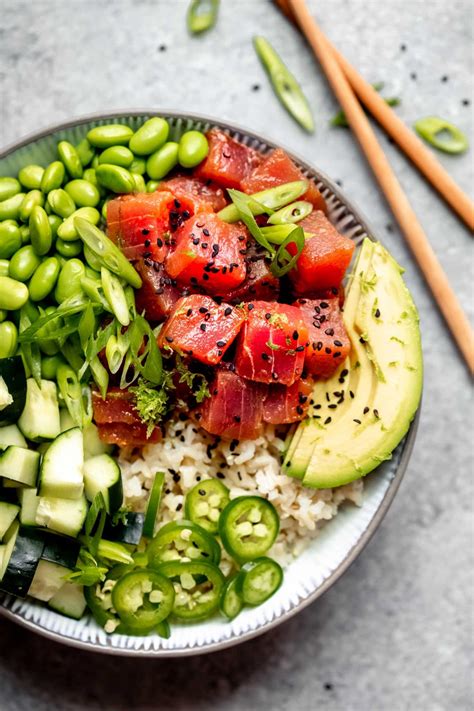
{"x": 210, "y": 378}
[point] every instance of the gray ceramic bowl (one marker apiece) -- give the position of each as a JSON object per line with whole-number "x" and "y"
{"x": 339, "y": 543}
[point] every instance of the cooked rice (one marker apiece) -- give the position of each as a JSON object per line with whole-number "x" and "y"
{"x": 187, "y": 455}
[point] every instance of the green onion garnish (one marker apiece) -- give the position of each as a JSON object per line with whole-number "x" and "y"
{"x": 442, "y": 134}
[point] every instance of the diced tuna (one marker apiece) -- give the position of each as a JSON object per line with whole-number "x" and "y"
{"x": 329, "y": 343}
{"x": 208, "y": 253}
{"x": 235, "y": 408}
{"x": 138, "y": 224}
{"x": 283, "y": 405}
{"x": 272, "y": 343}
{"x": 259, "y": 284}
{"x": 228, "y": 162}
{"x": 158, "y": 294}
{"x": 200, "y": 328}
{"x": 324, "y": 259}
{"x": 118, "y": 421}
{"x": 276, "y": 169}
{"x": 195, "y": 195}
{"x": 128, "y": 435}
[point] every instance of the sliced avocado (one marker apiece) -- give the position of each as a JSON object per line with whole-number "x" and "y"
{"x": 380, "y": 393}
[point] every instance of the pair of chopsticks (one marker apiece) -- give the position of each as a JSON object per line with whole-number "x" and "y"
{"x": 346, "y": 83}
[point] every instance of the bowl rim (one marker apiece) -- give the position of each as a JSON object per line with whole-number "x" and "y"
{"x": 407, "y": 443}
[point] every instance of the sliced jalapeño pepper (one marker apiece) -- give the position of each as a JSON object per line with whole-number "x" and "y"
{"x": 183, "y": 541}
{"x": 143, "y": 598}
{"x": 205, "y": 503}
{"x": 231, "y": 602}
{"x": 99, "y": 602}
{"x": 248, "y": 527}
{"x": 258, "y": 580}
{"x": 198, "y": 588}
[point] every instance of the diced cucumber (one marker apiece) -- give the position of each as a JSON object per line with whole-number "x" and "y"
{"x": 128, "y": 531}
{"x": 6, "y": 398}
{"x": 11, "y": 435}
{"x": 29, "y": 500}
{"x": 12, "y": 389}
{"x": 65, "y": 419}
{"x": 93, "y": 445}
{"x": 61, "y": 469}
{"x": 6, "y": 549}
{"x": 21, "y": 566}
{"x": 47, "y": 580}
{"x": 69, "y": 601}
{"x": 8, "y": 513}
{"x": 19, "y": 465}
{"x": 61, "y": 550}
{"x": 102, "y": 474}
{"x": 40, "y": 417}
{"x": 62, "y": 515}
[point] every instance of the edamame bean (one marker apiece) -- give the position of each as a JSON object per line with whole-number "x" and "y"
{"x": 152, "y": 185}
{"x": 53, "y": 176}
{"x": 10, "y": 239}
{"x": 40, "y": 231}
{"x": 140, "y": 186}
{"x": 13, "y": 294}
{"x": 193, "y": 148}
{"x": 30, "y": 310}
{"x": 3, "y": 315}
{"x": 31, "y": 176}
{"x": 44, "y": 279}
{"x": 162, "y": 161}
{"x": 95, "y": 162}
{"x": 84, "y": 193}
{"x": 32, "y": 199}
{"x": 67, "y": 230}
{"x": 4, "y": 267}
{"x": 117, "y": 155}
{"x": 150, "y": 136}
{"x": 8, "y": 339}
{"x": 115, "y": 178}
{"x": 25, "y": 234}
{"x": 61, "y": 202}
{"x": 70, "y": 158}
{"x": 23, "y": 264}
{"x": 69, "y": 280}
{"x": 68, "y": 249}
{"x": 85, "y": 152}
{"x": 90, "y": 176}
{"x": 49, "y": 366}
{"x": 9, "y": 187}
{"x": 10, "y": 208}
{"x": 114, "y": 134}
{"x": 138, "y": 166}
{"x": 54, "y": 221}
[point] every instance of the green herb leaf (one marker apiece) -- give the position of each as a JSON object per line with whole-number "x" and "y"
{"x": 151, "y": 403}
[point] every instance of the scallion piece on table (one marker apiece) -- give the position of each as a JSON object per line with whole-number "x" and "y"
{"x": 442, "y": 134}
{"x": 340, "y": 118}
{"x": 284, "y": 84}
{"x": 202, "y": 15}
{"x": 153, "y": 505}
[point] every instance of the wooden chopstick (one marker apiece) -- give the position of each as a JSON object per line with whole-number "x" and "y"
{"x": 396, "y": 198}
{"x": 422, "y": 157}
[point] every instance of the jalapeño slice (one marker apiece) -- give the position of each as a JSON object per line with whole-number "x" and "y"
{"x": 143, "y": 598}
{"x": 248, "y": 527}
{"x": 231, "y": 602}
{"x": 198, "y": 588}
{"x": 205, "y": 503}
{"x": 183, "y": 541}
{"x": 258, "y": 580}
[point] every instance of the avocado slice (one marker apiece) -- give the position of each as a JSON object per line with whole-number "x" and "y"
{"x": 376, "y": 392}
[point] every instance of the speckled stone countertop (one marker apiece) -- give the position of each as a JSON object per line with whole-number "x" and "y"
{"x": 395, "y": 632}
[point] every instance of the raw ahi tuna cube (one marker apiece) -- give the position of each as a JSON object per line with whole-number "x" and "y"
{"x": 118, "y": 421}
{"x": 276, "y": 169}
{"x": 259, "y": 284}
{"x": 195, "y": 195}
{"x": 235, "y": 408}
{"x": 324, "y": 259}
{"x": 208, "y": 253}
{"x": 283, "y": 405}
{"x": 228, "y": 162}
{"x": 138, "y": 224}
{"x": 200, "y": 328}
{"x": 158, "y": 294}
{"x": 272, "y": 343}
{"x": 329, "y": 343}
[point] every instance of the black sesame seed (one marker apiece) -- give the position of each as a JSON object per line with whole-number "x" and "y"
{"x": 351, "y": 394}
{"x": 366, "y": 410}
{"x": 299, "y": 410}
{"x": 337, "y": 354}
{"x": 358, "y": 421}
{"x": 237, "y": 418}
{"x": 203, "y": 326}
{"x": 265, "y": 356}
{"x": 295, "y": 335}
{"x": 376, "y": 413}
{"x": 324, "y": 305}
{"x": 203, "y": 310}
{"x": 145, "y": 232}
{"x": 169, "y": 339}
{"x": 465, "y": 102}
{"x": 146, "y": 255}
{"x": 250, "y": 307}
{"x": 338, "y": 344}
{"x": 268, "y": 316}
{"x": 327, "y": 420}
{"x": 189, "y": 312}
{"x": 328, "y": 351}
{"x": 227, "y": 311}
{"x": 204, "y": 245}
{"x": 377, "y": 313}
{"x": 299, "y": 349}
{"x": 206, "y": 232}
{"x": 255, "y": 87}
{"x": 329, "y": 332}
{"x": 332, "y": 407}
{"x": 413, "y": 76}
{"x": 221, "y": 344}
{"x": 205, "y": 277}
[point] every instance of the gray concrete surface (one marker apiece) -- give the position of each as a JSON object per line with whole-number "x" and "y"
{"x": 395, "y": 633}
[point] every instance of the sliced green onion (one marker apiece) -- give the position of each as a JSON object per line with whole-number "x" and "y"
{"x": 442, "y": 134}
{"x": 277, "y": 234}
{"x": 340, "y": 118}
{"x": 153, "y": 505}
{"x": 97, "y": 505}
{"x": 93, "y": 289}
{"x": 145, "y": 352}
{"x": 284, "y": 260}
{"x": 71, "y": 392}
{"x": 71, "y": 350}
{"x": 86, "y": 325}
{"x": 265, "y": 201}
{"x": 29, "y": 334}
{"x": 241, "y": 202}
{"x": 295, "y": 212}
{"x": 30, "y": 351}
{"x": 107, "y": 253}
{"x": 86, "y": 405}
{"x": 115, "y": 350}
{"x": 115, "y": 295}
{"x": 284, "y": 84}
{"x": 100, "y": 375}
{"x": 113, "y": 551}
{"x": 202, "y": 15}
